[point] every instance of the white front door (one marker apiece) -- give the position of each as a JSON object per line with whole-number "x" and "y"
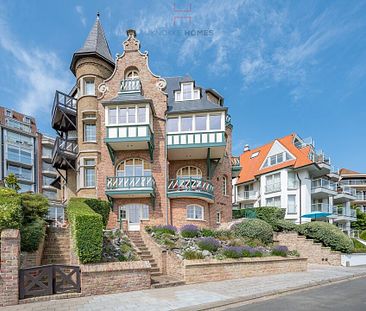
{"x": 135, "y": 213}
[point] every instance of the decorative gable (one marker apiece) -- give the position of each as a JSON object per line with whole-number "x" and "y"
{"x": 277, "y": 154}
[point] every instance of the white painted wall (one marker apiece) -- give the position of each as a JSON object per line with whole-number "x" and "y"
{"x": 351, "y": 260}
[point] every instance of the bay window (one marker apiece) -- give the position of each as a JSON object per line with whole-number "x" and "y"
{"x": 215, "y": 121}
{"x": 186, "y": 124}
{"x": 195, "y": 123}
{"x": 127, "y": 115}
{"x": 173, "y": 125}
{"x": 201, "y": 123}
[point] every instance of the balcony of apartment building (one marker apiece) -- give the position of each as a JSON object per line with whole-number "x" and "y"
{"x": 361, "y": 197}
{"x": 64, "y": 153}
{"x": 19, "y": 155}
{"x": 356, "y": 183}
{"x": 48, "y": 170}
{"x": 46, "y": 183}
{"x": 47, "y": 153}
{"x": 64, "y": 112}
{"x": 344, "y": 194}
{"x": 344, "y": 213}
{"x": 196, "y": 136}
{"x": 133, "y": 178}
{"x": 249, "y": 196}
{"x": 129, "y": 127}
{"x": 322, "y": 187}
{"x": 191, "y": 187}
{"x": 235, "y": 166}
{"x": 23, "y": 174}
{"x": 322, "y": 208}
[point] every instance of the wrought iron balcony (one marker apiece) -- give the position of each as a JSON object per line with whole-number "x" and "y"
{"x": 235, "y": 166}
{"x": 191, "y": 187}
{"x": 64, "y": 112}
{"x": 130, "y": 186}
{"x": 130, "y": 86}
{"x": 65, "y": 153}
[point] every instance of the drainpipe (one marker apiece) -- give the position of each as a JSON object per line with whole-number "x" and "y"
{"x": 167, "y": 211}
{"x": 298, "y": 177}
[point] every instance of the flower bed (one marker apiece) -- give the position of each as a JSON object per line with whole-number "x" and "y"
{"x": 117, "y": 247}
{"x": 192, "y": 243}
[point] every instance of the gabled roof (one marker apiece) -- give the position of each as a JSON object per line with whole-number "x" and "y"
{"x": 95, "y": 44}
{"x": 202, "y": 104}
{"x": 251, "y": 166}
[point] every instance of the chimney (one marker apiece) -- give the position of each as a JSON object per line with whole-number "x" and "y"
{"x": 246, "y": 148}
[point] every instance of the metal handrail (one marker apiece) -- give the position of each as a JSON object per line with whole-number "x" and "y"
{"x": 65, "y": 146}
{"x": 322, "y": 207}
{"x": 130, "y": 85}
{"x": 190, "y": 184}
{"x": 354, "y": 182}
{"x": 323, "y": 183}
{"x": 62, "y": 99}
{"x": 130, "y": 182}
{"x": 235, "y": 161}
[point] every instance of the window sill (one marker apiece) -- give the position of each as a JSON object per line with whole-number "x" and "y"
{"x": 193, "y": 219}
{"x": 90, "y": 142}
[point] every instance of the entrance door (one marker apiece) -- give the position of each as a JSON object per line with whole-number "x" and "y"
{"x": 135, "y": 213}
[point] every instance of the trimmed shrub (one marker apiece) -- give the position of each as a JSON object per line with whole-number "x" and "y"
{"x": 363, "y": 235}
{"x": 34, "y": 206}
{"x": 270, "y": 214}
{"x": 189, "y": 231}
{"x": 87, "y": 230}
{"x": 280, "y": 250}
{"x": 238, "y": 213}
{"x": 191, "y": 255}
{"x": 209, "y": 244}
{"x": 10, "y": 209}
{"x": 101, "y": 207}
{"x": 327, "y": 234}
{"x": 284, "y": 225}
{"x": 255, "y": 229}
{"x": 164, "y": 229}
{"x": 31, "y": 235}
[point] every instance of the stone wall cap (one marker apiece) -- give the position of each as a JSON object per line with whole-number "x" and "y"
{"x": 203, "y": 262}
{"x": 10, "y": 233}
{"x": 115, "y": 266}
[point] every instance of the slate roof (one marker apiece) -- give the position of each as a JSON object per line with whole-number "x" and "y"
{"x": 95, "y": 44}
{"x": 203, "y": 104}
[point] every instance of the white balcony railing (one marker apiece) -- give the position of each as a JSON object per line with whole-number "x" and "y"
{"x": 361, "y": 197}
{"x": 322, "y": 207}
{"x": 354, "y": 182}
{"x": 347, "y": 190}
{"x": 275, "y": 187}
{"x": 247, "y": 195}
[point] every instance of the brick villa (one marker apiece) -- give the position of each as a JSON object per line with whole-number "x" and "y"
{"x": 158, "y": 148}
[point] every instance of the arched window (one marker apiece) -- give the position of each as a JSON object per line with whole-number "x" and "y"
{"x": 133, "y": 167}
{"x": 224, "y": 185}
{"x": 189, "y": 171}
{"x": 132, "y": 74}
{"x": 195, "y": 212}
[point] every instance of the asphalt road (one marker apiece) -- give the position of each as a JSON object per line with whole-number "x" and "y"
{"x": 343, "y": 296}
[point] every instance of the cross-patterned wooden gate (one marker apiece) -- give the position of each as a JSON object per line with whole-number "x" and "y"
{"x": 48, "y": 280}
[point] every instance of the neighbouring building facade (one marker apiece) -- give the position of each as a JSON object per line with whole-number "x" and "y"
{"x": 356, "y": 181}
{"x": 289, "y": 173}
{"x": 158, "y": 148}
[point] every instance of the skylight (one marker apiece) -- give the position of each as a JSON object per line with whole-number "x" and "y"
{"x": 254, "y": 154}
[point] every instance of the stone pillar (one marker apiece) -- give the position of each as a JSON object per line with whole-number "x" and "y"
{"x": 10, "y": 262}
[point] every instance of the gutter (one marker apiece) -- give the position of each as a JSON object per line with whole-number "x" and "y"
{"x": 298, "y": 177}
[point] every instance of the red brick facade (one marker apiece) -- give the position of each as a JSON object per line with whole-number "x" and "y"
{"x": 163, "y": 210}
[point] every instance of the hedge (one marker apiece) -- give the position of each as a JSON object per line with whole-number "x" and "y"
{"x": 31, "y": 235}
{"x": 284, "y": 225}
{"x": 86, "y": 229}
{"x": 10, "y": 209}
{"x": 34, "y": 206}
{"x": 255, "y": 229}
{"x": 100, "y": 207}
{"x": 267, "y": 213}
{"x": 327, "y": 234}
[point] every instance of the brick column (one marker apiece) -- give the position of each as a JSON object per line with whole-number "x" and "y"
{"x": 10, "y": 262}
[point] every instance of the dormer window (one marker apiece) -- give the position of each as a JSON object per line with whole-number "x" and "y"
{"x": 9, "y": 113}
{"x": 277, "y": 159}
{"x": 187, "y": 92}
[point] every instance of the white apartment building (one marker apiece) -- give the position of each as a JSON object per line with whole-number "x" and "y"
{"x": 357, "y": 181}
{"x": 289, "y": 173}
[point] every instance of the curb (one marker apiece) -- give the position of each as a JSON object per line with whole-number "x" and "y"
{"x": 241, "y": 299}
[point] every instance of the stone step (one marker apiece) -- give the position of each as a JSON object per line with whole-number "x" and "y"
{"x": 163, "y": 281}
{"x": 153, "y": 274}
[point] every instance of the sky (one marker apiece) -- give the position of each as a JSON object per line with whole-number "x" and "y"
{"x": 282, "y": 66}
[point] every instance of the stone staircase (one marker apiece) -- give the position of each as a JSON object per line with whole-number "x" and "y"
{"x": 158, "y": 280}
{"x": 57, "y": 246}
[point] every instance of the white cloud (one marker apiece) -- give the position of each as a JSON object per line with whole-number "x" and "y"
{"x": 80, "y": 10}
{"x": 38, "y": 74}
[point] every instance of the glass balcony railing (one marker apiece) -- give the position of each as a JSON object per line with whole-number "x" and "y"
{"x": 361, "y": 197}
{"x": 322, "y": 207}
{"x": 347, "y": 190}
{"x": 354, "y": 182}
{"x": 247, "y": 195}
{"x": 18, "y": 125}
{"x": 273, "y": 187}
{"x": 324, "y": 184}
{"x": 345, "y": 212}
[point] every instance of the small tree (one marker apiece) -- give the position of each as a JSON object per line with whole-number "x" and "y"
{"x": 12, "y": 182}
{"x": 360, "y": 224}
{"x": 35, "y": 206}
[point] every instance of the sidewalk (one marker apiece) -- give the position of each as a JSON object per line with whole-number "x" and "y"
{"x": 198, "y": 296}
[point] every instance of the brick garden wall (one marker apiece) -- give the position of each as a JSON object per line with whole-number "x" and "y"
{"x": 114, "y": 277}
{"x": 315, "y": 252}
{"x": 197, "y": 271}
{"x": 28, "y": 260}
{"x": 9, "y": 268}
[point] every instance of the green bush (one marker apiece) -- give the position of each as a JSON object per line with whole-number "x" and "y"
{"x": 269, "y": 214}
{"x": 284, "y": 225}
{"x": 238, "y": 213}
{"x": 255, "y": 229}
{"x": 34, "y": 206}
{"x": 358, "y": 246}
{"x": 363, "y": 235}
{"x": 102, "y": 208}
{"x": 87, "y": 230}
{"x": 205, "y": 232}
{"x": 10, "y": 209}
{"x": 328, "y": 234}
{"x": 31, "y": 235}
{"x": 190, "y": 255}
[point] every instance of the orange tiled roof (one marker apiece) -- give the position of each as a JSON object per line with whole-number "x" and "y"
{"x": 251, "y": 167}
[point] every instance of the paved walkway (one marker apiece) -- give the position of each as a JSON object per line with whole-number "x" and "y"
{"x": 190, "y": 297}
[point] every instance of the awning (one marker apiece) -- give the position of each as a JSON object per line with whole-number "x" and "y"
{"x": 316, "y": 215}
